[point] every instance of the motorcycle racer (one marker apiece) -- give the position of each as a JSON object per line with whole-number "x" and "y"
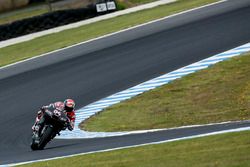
{"x": 68, "y": 106}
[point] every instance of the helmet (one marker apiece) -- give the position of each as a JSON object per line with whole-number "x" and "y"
{"x": 69, "y": 105}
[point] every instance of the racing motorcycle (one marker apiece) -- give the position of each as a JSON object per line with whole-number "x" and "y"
{"x": 53, "y": 122}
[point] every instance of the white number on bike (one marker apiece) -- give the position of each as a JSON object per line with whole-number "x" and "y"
{"x": 57, "y": 113}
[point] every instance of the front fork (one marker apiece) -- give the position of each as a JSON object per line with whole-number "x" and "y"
{"x": 40, "y": 125}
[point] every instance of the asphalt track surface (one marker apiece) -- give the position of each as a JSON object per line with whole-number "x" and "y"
{"x": 100, "y": 68}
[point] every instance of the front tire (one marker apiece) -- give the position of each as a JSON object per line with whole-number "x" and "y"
{"x": 45, "y": 138}
{"x": 34, "y": 146}
{"x": 34, "y": 143}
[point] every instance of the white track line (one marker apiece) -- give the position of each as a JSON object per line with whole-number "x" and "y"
{"x": 100, "y": 105}
{"x": 29, "y": 37}
{"x": 139, "y": 145}
{"x": 241, "y": 49}
{"x": 111, "y": 34}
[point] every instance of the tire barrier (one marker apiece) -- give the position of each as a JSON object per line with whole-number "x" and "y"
{"x": 47, "y": 21}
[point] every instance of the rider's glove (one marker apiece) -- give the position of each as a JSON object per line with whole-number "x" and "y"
{"x": 42, "y": 109}
{"x": 70, "y": 127}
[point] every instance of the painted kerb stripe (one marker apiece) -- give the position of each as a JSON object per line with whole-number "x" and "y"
{"x": 93, "y": 108}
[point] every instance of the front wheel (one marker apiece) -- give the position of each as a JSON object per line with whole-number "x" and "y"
{"x": 45, "y": 137}
{"x": 34, "y": 145}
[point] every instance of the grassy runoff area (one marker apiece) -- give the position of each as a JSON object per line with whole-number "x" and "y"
{"x": 41, "y": 8}
{"x": 124, "y": 4}
{"x": 217, "y": 94}
{"x": 230, "y": 150}
{"x": 21, "y": 14}
{"x": 66, "y": 38}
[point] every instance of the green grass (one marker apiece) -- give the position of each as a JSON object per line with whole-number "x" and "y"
{"x": 219, "y": 93}
{"x": 52, "y": 42}
{"x": 225, "y": 150}
{"x": 35, "y": 10}
{"x": 132, "y": 3}
{"x": 141, "y": 1}
{"x": 20, "y": 14}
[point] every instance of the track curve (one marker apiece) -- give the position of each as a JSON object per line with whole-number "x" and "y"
{"x": 100, "y": 68}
